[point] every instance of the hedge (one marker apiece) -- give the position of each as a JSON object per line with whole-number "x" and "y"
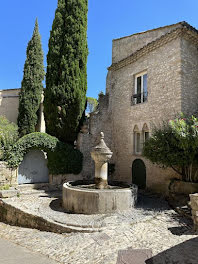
{"x": 62, "y": 157}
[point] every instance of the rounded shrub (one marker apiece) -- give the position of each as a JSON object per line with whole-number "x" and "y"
{"x": 62, "y": 157}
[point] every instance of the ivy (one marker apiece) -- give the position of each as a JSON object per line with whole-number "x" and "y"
{"x": 62, "y": 157}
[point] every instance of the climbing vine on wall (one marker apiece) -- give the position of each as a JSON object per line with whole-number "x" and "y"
{"x": 62, "y": 157}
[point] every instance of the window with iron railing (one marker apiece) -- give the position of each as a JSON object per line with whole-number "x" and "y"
{"x": 139, "y": 98}
{"x": 140, "y": 94}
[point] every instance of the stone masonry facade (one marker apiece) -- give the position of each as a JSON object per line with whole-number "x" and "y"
{"x": 9, "y": 104}
{"x": 194, "y": 207}
{"x": 169, "y": 57}
{"x": 7, "y": 176}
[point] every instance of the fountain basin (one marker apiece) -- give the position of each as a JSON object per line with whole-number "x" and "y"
{"x": 82, "y": 197}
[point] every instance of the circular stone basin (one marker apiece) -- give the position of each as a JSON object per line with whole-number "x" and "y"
{"x": 83, "y": 198}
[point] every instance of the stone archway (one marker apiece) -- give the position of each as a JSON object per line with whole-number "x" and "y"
{"x": 139, "y": 173}
{"x": 33, "y": 168}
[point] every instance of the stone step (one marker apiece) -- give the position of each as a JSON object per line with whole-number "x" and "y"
{"x": 31, "y": 189}
{"x": 25, "y": 187}
{"x": 38, "y": 187}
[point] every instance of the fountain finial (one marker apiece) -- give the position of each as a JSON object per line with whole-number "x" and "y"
{"x": 101, "y": 135}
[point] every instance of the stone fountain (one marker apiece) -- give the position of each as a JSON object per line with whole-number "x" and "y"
{"x": 100, "y": 196}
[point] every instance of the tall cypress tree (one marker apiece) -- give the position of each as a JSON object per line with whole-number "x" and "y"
{"x": 31, "y": 86}
{"x": 66, "y": 78}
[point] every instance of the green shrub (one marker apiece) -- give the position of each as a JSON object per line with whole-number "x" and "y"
{"x": 92, "y": 104}
{"x": 8, "y": 136}
{"x": 62, "y": 158}
{"x": 175, "y": 145}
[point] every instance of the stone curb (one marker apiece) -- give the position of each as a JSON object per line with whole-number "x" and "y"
{"x": 8, "y": 193}
{"x": 14, "y": 216}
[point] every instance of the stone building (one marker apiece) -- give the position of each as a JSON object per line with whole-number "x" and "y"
{"x": 9, "y": 103}
{"x": 153, "y": 77}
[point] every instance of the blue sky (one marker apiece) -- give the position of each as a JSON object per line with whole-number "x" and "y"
{"x": 107, "y": 20}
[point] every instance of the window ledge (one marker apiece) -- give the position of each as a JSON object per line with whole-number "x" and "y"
{"x": 137, "y": 154}
{"x": 139, "y": 104}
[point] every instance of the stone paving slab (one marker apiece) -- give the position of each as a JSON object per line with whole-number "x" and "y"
{"x": 134, "y": 256}
{"x": 11, "y": 253}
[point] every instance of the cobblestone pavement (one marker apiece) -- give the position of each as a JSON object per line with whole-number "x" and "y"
{"x": 168, "y": 235}
{"x": 48, "y": 206}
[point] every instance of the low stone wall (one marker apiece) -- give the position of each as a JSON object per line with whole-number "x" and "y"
{"x": 182, "y": 187}
{"x": 194, "y": 207}
{"x": 62, "y": 178}
{"x": 14, "y": 216}
{"x": 7, "y": 176}
{"x": 10, "y": 177}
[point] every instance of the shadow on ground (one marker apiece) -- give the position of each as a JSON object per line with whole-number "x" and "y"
{"x": 150, "y": 202}
{"x": 184, "y": 253}
{"x": 56, "y": 205}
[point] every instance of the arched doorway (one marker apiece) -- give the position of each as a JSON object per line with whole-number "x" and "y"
{"x": 33, "y": 168}
{"x": 139, "y": 173}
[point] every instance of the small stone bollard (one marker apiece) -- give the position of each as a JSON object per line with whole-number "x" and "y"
{"x": 194, "y": 207}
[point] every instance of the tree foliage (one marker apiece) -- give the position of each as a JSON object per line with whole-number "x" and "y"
{"x": 175, "y": 145}
{"x": 8, "y": 137}
{"x": 31, "y": 86}
{"x": 66, "y": 78}
{"x": 91, "y": 104}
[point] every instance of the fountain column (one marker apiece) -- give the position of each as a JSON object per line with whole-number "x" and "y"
{"x": 101, "y": 154}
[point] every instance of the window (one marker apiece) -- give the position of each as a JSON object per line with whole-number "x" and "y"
{"x": 140, "y": 94}
{"x": 145, "y": 131}
{"x": 146, "y": 136}
{"x": 137, "y": 140}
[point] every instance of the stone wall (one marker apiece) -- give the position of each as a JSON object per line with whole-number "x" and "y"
{"x": 194, "y": 207}
{"x": 9, "y": 103}
{"x": 7, "y": 176}
{"x": 125, "y": 46}
{"x": 189, "y": 73}
{"x": 89, "y": 136}
{"x": 117, "y": 116}
{"x": 14, "y": 216}
{"x": 171, "y": 62}
{"x": 62, "y": 178}
{"x": 163, "y": 66}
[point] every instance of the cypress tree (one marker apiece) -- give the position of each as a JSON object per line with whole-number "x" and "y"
{"x": 31, "y": 86}
{"x": 66, "y": 78}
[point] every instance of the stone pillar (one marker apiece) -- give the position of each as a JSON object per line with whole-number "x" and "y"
{"x": 101, "y": 175}
{"x": 41, "y": 121}
{"x": 194, "y": 207}
{"x": 101, "y": 154}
